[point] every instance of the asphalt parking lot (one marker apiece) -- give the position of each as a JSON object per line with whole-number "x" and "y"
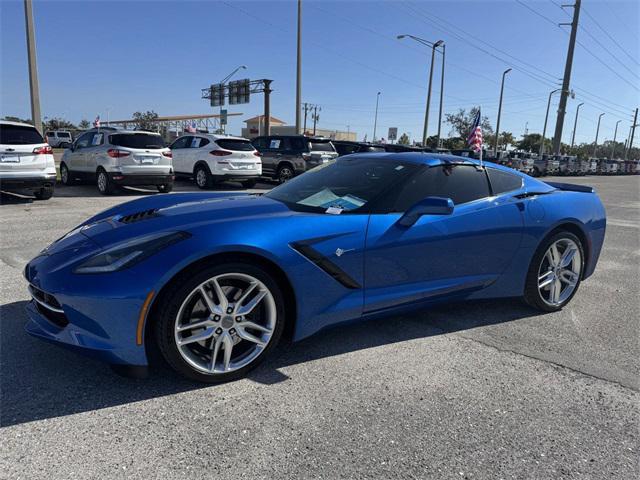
{"x": 480, "y": 390}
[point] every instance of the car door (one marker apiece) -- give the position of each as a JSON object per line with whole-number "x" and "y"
{"x": 75, "y": 158}
{"x": 93, "y": 150}
{"x": 440, "y": 254}
{"x": 273, "y": 155}
{"x": 198, "y": 151}
{"x": 180, "y": 152}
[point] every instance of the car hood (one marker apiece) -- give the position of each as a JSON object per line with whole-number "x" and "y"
{"x": 176, "y": 212}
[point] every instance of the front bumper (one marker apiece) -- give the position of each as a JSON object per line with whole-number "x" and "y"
{"x": 30, "y": 183}
{"x": 130, "y": 180}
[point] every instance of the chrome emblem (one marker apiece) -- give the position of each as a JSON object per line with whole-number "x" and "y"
{"x": 340, "y": 251}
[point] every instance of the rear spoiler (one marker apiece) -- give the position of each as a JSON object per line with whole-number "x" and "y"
{"x": 571, "y": 187}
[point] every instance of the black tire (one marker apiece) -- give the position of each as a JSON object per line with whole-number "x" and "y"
{"x": 66, "y": 176}
{"x": 202, "y": 176}
{"x": 536, "y": 172}
{"x": 249, "y": 183}
{"x": 532, "y": 294}
{"x": 45, "y": 193}
{"x": 285, "y": 173}
{"x": 171, "y": 301}
{"x": 104, "y": 183}
{"x": 166, "y": 188}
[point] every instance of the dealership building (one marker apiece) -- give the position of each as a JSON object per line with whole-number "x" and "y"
{"x": 255, "y": 127}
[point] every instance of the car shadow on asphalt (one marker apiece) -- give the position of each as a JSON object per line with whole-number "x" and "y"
{"x": 39, "y": 380}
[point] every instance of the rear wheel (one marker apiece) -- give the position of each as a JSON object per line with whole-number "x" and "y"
{"x": 45, "y": 193}
{"x": 203, "y": 177}
{"x": 66, "y": 176}
{"x": 285, "y": 173}
{"x": 221, "y": 322}
{"x": 555, "y": 272}
{"x": 105, "y": 185}
{"x": 165, "y": 188}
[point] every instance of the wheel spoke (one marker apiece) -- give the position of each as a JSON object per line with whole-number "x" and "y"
{"x": 192, "y": 325}
{"x": 569, "y": 277}
{"x": 556, "y": 290}
{"x": 242, "y": 333}
{"x": 214, "y": 353}
{"x": 545, "y": 279}
{"x": 198, "y": 337}
{"x": 255, "y": 326}
{"x": 567, "y": 256}
{"x": 252, "y": 286}
{"x": 246, "y": 309}
{"x": 228, "y": 347}
{"x": 555, "y": 254}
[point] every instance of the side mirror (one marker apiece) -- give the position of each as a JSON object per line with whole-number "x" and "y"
{"x": 427, "y": 206}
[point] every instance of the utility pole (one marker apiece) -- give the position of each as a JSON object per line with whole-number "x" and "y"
{"x": 557, "y": 138}
{"x": 267, "y": 107}
{"x": 633, "y": 131}
{"x": 34, "y": 86}
{"x": 595, "y": 144}
{"x": 546, "y": 117}
{"x": 315, "y": 117}
{"x": 615, "y": 134}
{"x": 298, "y": 69}
{"x": 441, "y": 96}
{"x": 575, "y": 124}
{"x": 306, "y": 108}
{"x": 495, "y": 143}
{"x": 375, "y": 121}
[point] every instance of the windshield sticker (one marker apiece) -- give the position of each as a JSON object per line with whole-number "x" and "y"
{"x": 334, "y": 210}
{"x": 327, "y": 199}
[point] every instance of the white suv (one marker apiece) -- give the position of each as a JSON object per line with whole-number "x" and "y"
{"x": 112, "y": 158}
{"x": 59, "y": 138}
{"x": 26, "y": 160}
{"x": 214, "y": 158}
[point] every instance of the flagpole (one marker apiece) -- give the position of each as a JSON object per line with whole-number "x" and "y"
{"x": 481, "y": 156}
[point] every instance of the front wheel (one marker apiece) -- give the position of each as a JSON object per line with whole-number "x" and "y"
{"x": 45, "y": 193}
{"x": 105, "y": 185}
{"x": 220, "y": 323}
{"x": 285, "y": 173}
{"x": 555, "y": 272}
{"x": 66, "y": 177}
{"x": 203, "y": 177}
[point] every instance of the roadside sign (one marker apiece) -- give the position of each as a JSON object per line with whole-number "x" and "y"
{"x": 393, "y": 134}
{"x": 217, "y": 95}
{"x": 223, "y": 117}
{"x": 239, "y": 91}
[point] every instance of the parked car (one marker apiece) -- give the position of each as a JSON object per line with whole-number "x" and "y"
{"x": 112, "y": 158}
{"x": 26, "y": 160}
{"x": 568, "y": 164}
{"x": 344, "y": 147}
{"x": 523, "y": 162}
{"x": 546, "y": 165}
{"x": 59, "y": 138}
{"x": 213, "y": 280}
{"x": 210, "y": 159}
{"x": 593, "y": 166}
{"x": 285, "y": 156}
{"x": 607, "y": 166}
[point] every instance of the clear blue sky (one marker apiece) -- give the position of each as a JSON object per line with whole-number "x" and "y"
{"x": 157, "y": 55}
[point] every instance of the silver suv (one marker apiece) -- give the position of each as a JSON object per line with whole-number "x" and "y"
{"x": 59, "y": 138}
{"x": 113, "y": 158}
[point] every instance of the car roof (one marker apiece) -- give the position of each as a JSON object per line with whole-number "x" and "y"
{"x": 213, "y": 136}
{"x": 20, "y": 124}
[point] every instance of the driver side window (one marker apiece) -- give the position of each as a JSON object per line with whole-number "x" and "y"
{"x": 83, "y": 140}
{"x": 460, "y": 183}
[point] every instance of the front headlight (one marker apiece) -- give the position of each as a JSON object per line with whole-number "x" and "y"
{"x": 127, "y": 254}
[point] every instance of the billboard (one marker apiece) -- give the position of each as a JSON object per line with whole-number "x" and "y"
{"x": 217, "y": 95}
{"x": 239, "y": 91}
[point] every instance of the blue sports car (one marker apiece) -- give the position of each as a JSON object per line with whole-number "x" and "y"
{"x": 213, "y": 280}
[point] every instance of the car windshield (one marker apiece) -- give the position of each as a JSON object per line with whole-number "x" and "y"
{"x": 316, "y": 146}
{"x": 346, "y": 184}
{"x": 19, "y": 135}
{"x": 137, "y": 140}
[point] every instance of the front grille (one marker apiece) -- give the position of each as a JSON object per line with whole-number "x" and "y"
{"x": 49, "y": 307}
{"x": 138, "y": 216}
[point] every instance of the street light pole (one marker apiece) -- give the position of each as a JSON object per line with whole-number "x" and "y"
{"x": 34, "y": 86}
{"x": 298, "y": 69}
{"x": 441, "y": 95}
{"x": 615, "y": 134}
{"x": 575, "y": 124}
{"x": 546, "y": 117}
{"x": 495, "y": 143}
{"x": 433, "y": 52}
{"x": 375, "y": 121}
{"x": 595, "y": 144}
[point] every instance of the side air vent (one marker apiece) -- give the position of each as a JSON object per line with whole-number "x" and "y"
{"x": 139, "y": 216}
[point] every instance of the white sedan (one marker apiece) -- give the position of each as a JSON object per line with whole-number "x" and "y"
{"x": 210, "y": 159}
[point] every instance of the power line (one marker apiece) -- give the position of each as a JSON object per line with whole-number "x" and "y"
{"x": 610, "y": 37}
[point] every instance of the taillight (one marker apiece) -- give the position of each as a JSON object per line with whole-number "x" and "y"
{"x": 220, "y": 153}
{"x": 43, "y": 150}
{"x": 168, "y": 153}
{"x": 257, "y": 154}
{"x": 115, "y": 153}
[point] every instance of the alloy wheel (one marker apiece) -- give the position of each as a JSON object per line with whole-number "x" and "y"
{"x": 285, "y": 174}
{"x": 102, "y": 182}
{"x": 64, "y": 174}
{"x": 559, "y": 272}
{"x": 225, "y": 323}
{"x": 201, "y": 178}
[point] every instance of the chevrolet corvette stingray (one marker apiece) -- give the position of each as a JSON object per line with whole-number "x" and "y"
{"x": 213, "y": 280}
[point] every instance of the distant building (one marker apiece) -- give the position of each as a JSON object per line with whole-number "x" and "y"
{"x": 255, "y": 127}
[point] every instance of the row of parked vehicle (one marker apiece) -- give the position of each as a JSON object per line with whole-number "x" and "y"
{"x": 111, "y": 157}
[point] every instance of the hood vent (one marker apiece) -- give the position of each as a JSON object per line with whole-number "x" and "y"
{"x": 139, "y": 216}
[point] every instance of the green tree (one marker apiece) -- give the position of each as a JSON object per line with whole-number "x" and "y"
{"x": 58, "y": 124}
{"x": 461, "y": 122}
{"x": 531, "y": 143}
{"x": 404, "y": 139}
{"x": 10, "y": 118}
{"x": 146, "y": 120}
{"x": 84, "y": 124}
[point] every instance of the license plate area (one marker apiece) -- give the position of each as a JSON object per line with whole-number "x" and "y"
{"x": 9, "y": 158}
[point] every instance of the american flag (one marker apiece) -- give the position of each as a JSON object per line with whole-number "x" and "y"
{"x": 96, "y": 122}
{"x": 474, "y": 140}
{"x": 191, "y": 128}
